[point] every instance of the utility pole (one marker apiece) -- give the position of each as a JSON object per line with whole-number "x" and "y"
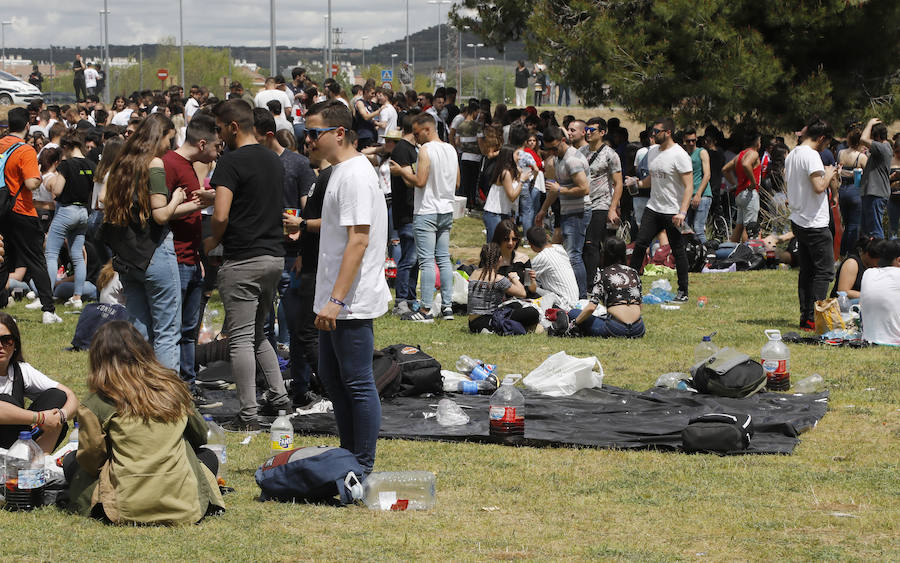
{"x": 330, "y": 54}
{"x": 438, "y": 4}
{"x": 181, "y": 40}
{"x": 108, "y": 71}
{"x": 52, "y": 74}
{"x": 407, "y": 32}
{"x": 325, "y": 51}
{"x": 3, "y": 40}
{"x": 273, "y": 55}
{"x": 141, "y": 63}
{"x": 363, "y": 38}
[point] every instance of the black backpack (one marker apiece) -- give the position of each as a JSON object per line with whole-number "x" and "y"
{"x": 696, "y": 252}
{"x": 7, "y": 200}
{"x": 387, "y": 374}
{"x": 419, "y": 372}
{"x": 728, "y": 373}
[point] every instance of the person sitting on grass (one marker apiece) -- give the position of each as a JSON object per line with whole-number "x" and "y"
{"x": 52, "y": 403}
{"x": 139, "y": 458}
{"x": 553, "y": 271}
{"x": 488, "y": 289}
{"x": 850, "y": 273}
{"x": 879, "y": 297}
{"x": 618, "y": 288}
{"x": 507, "y": 237}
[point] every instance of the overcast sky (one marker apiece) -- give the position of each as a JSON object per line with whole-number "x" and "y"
{"x": 216, "y": 22}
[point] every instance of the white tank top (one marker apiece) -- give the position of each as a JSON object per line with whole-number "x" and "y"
{"x": 498, "y": 202}
{"x": 440, "y": 189}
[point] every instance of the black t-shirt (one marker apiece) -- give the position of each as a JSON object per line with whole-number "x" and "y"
{"x": 716, "y": 162}
{"x": 255, "y": 176}
{"x": 79, "y": 175}
{"x": 522, "y": 78}
{"x": 452, "y": 111}
{"x": 309, "y": 242}
{"x": 78, "y": 67}
{"x": 402, "y": 196}
{"x": 298, "y": 178}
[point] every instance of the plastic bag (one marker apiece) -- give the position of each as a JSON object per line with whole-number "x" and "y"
{"x": 450, "y": 414}
{"x": 460, "y": 288}
{"x": 828, "y": 316}
{"x": 561, "y": 375}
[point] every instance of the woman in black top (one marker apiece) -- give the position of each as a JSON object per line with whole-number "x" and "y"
{"x": 489, "y": 289}
{"x": 618, "y": 287}
{"x": 849, "y": 274}
{"x": 72, "y": 187}
{"x": 507, "y": 237}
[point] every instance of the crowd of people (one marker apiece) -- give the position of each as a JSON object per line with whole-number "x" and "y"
{"x": 289, "y": 201}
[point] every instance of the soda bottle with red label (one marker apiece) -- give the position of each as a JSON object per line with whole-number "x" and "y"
{"x": 507, "y": 413}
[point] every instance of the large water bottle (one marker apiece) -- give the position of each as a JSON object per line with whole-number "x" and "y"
{"x": 73, "y": 435}
{"x": 507, "y": 413}
{"x": 705, "y": 349}
{"x": 399, "y": 490}
{"x": 24, "y": 477}
{"x": 282, "y": 434}
{"x": 776, "y": 362}
{"x": 215, "y": 441}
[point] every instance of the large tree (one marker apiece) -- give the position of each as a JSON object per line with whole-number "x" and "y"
{"x": 724, "y": 61}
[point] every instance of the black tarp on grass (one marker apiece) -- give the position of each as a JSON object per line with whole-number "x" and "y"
{"x": 610, "y": 417}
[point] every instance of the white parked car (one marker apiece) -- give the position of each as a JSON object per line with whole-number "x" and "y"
{"x": 14, "y": 90}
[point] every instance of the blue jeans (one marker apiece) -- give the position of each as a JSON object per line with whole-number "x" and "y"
{"x": 69, "y": 225}
{"x": 893, "y": 217}
{"x": 529, "y": 205}
{"x": 872, "y": 214}
{"x": 407, "y": 274}
{"x": 850, "y": 202}
{"x": 574, "y": 227}
{"x": 191, "y": 300}
{"x": 608, "y": 326}
{"x": 697, "y": 217}
{"x": 491, "y": 220}
{"x": 298, "y": 303}
{"x": 66, "y": 289}
{"x": 153, "y": 300}
{"x": 345, "y": 368}
{"x": 433, "y": 244}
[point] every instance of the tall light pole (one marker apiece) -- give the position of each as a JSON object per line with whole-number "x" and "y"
{"x": 325, "y": 51}
{"x": 459, "y": 44}
{"x": 363, "y": 38}
{"x": 393, "y": 56}
{"x": 181, "y": 40}
{"x": 330, "y": 54}
{"x": 273, "y": 59}
{"x": 407, "y": 32}
{"x": 475, "y": 47}
{"x": 485, "y": 59}
{"x": 3, "y": 40}
{"x": 438, "y": 4}
{"x": 108, "y": 78}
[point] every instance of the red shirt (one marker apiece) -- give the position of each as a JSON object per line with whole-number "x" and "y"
{"x": 187, "y": 231}
{"x": 22, "y": 165}
{"x": 742, "y": 178}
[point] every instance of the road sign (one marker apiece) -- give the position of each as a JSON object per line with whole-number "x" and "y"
{"x": 162, "y": 74}
{"x": 387, "y": 75}
{"x": 334, "y": 70}
{"x": 387, "y": 85}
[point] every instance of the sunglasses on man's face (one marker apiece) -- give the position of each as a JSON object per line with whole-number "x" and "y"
{"x": 7, "y": 340}
{"x": 314, "y": 132}
{"x": 690, "y": 141}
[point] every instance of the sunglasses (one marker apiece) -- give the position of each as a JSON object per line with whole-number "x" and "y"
{"x": 314, "y": 132}
{"x": 656, "y": 131}
{"x": 690, "y": 141}
{"x": 590, "y": 129}
{"x": 7, "y": 340}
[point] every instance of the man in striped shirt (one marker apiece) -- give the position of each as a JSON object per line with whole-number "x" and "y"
{"x": 552, "y": 269}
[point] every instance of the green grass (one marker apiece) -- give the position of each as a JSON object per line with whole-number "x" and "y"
{"x": 566, "y": 503}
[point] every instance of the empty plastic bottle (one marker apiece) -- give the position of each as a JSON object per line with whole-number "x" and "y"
{"x": 812, "y": 384}
{"x": 705, "y": 349}
{"x": 73, "y": 435}
{"x": 477, "y": 387}
{"x": 24, "y": 477}
{"x": 399, "y": 490}
{"x": 215, "y": 441}
{"x": 776, "y": 362}
{"x": 843, "y": 301}
{"x": 282, "y": 434}
{"x": 476, "y": 369}
{"x": 507, "y": 413}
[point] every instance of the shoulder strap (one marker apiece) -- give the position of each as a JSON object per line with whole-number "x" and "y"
{"x": 18, "y": 386}
{"x": 594, "y": 156}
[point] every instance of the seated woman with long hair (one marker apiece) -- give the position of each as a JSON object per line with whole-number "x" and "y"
{"x": 618, "y": 287}
{"x": 139, "y": 438}
{"x": 850, "y": 273}
{"x": 489, "y": 289}
{"x": 52, "y": 403}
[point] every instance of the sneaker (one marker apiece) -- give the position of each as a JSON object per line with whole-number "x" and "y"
{"x": 237, "y": 424}
{"x": 306, "y": 401}
{"x": 447, "y": 313}
{"x": 418, "y": 317}
{"x": 30, "y": 295}
{"x": 807, "y": 325}
{"x": 34, "y": 305}
{"x": 681, "y": 297}
{"x": 201, "y": 401}
{"x": 50, "y": 318}
{"x": 402, "y": 308}
{"x": 74, "y": 303}
{"x": 270, "y": 408}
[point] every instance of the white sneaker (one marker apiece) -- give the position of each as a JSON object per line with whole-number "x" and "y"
{"x": 31, "y": 295}
{"x": 74, "y": 303}
{"x": 50, "y": 318}
{"x": 36, "y": 304}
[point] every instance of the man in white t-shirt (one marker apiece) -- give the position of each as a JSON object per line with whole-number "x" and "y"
{"x": 387, "y": 118}
{"x": 553, "y": 272}
{"x": 90, "y": 79}
{"x": 436, "y": 180}
{"x": 671, "y": 183}
{"x": 271, "y": 92}
{"x": 192, "y": 104}
{"x": 879, "y": 298}
{"x": 807, "y": 180}
{"x": 350, "y": 287}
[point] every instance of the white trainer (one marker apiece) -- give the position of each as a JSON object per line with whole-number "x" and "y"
{"x": 36, "y": 304}
{"x": 74, "y": 303}
{"x": 50, "y": 318}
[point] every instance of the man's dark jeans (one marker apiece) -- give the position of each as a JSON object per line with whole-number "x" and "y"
{"x": 651, "y": 224}
{"x": 815, "y": 248}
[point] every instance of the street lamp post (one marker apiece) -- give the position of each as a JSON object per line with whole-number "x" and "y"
{"x": 328, "y": 33}
{"x": 273, "y": 58}
{"x": 3, "y": 40}
{"x": 475, "y": 47}
{"x": 438, "y": 4}
{"x": 325, "y": 51}
{"x": 485, "y": 59}
{"x": 181, "y": 40}
{"x": 104, "y": 13}
{"x": 393, "y": 56}
{"x": 363, "y": 38}
{"x": 407, "y": 31}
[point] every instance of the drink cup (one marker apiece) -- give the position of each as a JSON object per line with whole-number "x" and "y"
{"x": 293, "y": 211}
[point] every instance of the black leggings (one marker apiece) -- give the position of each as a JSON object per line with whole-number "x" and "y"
{"x": 48, "y": 400}
{"x": 526, "y": 316}
{"x": 593, "y": 243}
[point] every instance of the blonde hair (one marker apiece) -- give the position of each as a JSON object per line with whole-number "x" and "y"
{"x": 124, "y": 369}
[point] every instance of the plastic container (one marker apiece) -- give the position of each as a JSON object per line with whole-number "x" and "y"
{"x": 450, "y": 414}
{"x": 399, "y": 490}
{"x": 24, "y": 477}
{"x": 282, "y": 434}
{"x": 812, "y": 384}
{"x": 465, "y": 364}
{"x": 215, "y": 441}
{"x": 705, "y": 349}
{"x": 776, "y": 362}
{"x": 73, "y": 435}
{"x": 843, "y": 301}
{"x": 675, "y": 380}
{"x": 476, "y": 369}
{"x": 479, "y": 387}
{"x": 857, "y": 176}
{"x": 507, "y": 413}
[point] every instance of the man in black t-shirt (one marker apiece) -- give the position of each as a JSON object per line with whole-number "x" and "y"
{"x": 247, "y": 179}
{"x": 404, "y": 153}
{"x": 78, "y": 80}
{"x": 36, "y": 79}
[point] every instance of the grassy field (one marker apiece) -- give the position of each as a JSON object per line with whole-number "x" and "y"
{"x": 836, "y": 498}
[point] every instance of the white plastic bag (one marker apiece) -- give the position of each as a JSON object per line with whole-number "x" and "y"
{"x": 460, "y": 288}
{"x": 561, "y": 375}
{"x": 539, "y": 182}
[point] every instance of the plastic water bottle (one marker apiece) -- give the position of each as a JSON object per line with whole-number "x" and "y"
{"x": 843, "y": 301}
{"x": 73, "y": 436}
{"x": 507, "y": 413}
{"x": 24, "y": 477}
{"x": 215, "y": 441}
{"x": 282, "y": 434}
{"x": 675, "y": 380}
{"x": 705, "y": 349}
{"x": 476, "y": 369}
{"x": 465, "y": 364}
{"x": 478, "y": 387}
{"x": 399, "y": 490}
{"x": 812, "y": 384}
{"x": 776, "y": 362}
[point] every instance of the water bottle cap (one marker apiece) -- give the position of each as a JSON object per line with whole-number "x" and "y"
{"x": 282, "y": 412}
{"x": 707, "y": 339}
{"x": 206, "y": 417}
{"x": 76, "y": 424}
{"x": 25, "y": 435}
